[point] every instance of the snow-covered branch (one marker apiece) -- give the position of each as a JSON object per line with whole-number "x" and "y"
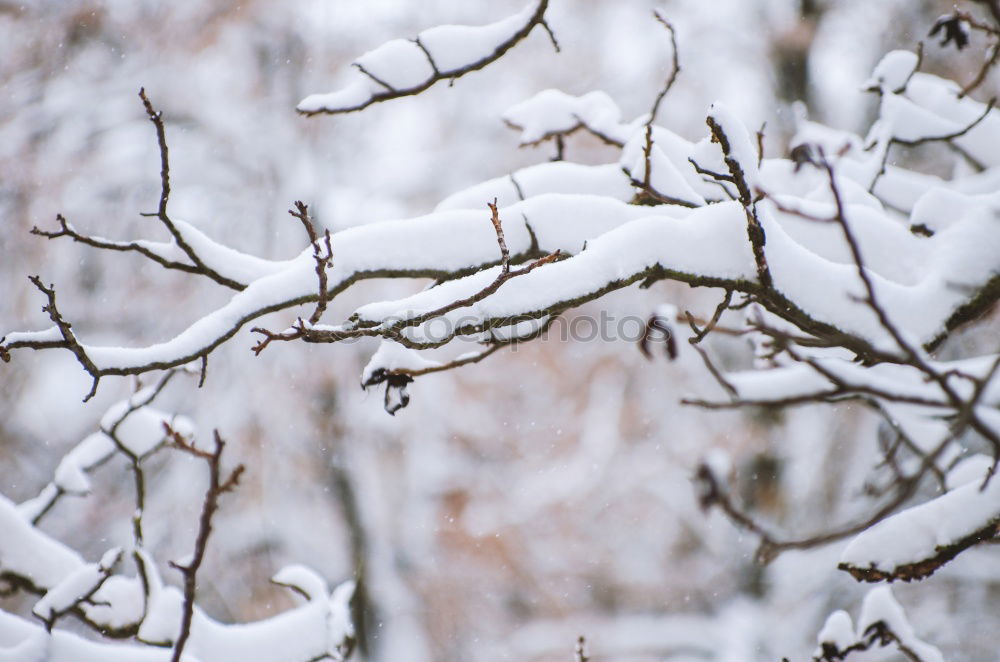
{"x": 404, "y": 67}
{"x": 143, "y": 608}
{"x": 881, "y": 623}
{"x": 846, "y": 272}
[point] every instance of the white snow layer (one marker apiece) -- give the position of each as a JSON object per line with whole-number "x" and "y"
{"x": 308, "y": 631}
{"x": 921, "y": 532}
{"x": 553, "y": 112}
{"x": 79, "y": 584}
{"x": 892, "y": 72}
{"x": 406, "y": 66}
{"x": 879, "y": 608}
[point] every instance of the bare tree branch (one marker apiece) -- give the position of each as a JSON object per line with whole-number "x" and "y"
{"x": 754, "y": 230}
{"x": 156, "y": 117}
{"x": 67, "y": 230}
{"x": 66, "y": 331}
{"x": 218, "y": 485}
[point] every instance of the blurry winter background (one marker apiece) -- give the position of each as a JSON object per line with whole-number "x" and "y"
{"x": 515, "y": 504}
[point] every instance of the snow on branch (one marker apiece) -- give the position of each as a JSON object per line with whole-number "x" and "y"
{"x": 452, "y": 243}
{"x": 603, "y": 181}
{"x": 915, "y": 542}
{"x": 311, "y": 334}
{"x": 318, "y": 629}
{"x": 904, "y": 377}
{"x": 404, "y": 67}
{"x": 189, "y": 250}
{"x": 882, "y": 623}
{"x": 850, "y": 272}
{"x": 80, "y": 585}
{"x": 553, "y": 114}
{"x": 957, "y": 280}
{"x": 25, "y": 640}
{"x": 143, "y": 609}
{"x": 132, "y": 427}
{"x": 218, "y": 484}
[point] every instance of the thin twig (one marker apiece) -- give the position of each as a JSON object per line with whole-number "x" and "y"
{"x": 66, "y": 330}
{"x": 947, "y": 137}
{"x": 669, "y": 83}
{"x": 156, "y": 117}
{"x": 216, "y": 488}
{"x": 675, "y": 67}
{"x": 755, "y": 232}
{"x": 699, "y": 334}
{"x": 135, "y": 460}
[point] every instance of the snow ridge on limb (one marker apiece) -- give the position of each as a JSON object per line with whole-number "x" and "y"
{"x": 882, "y": 623}
{"x": 553, "y": 113}
{"x": 403, "y": 67}
{"x": 75, "y": 588}
{"x": 564, "y": 177}
{"x": 143, "y": 607}
{"x": 25, "y": 641}
{"x": 320, "y": 628}
{"x": 387, "y": 250}
{"x": 900, "y": 372}
{"x": 131, "y": 426}
{"x": 454, "y": 243}
{"x": 915, "y": 542}
{"x": 611, "y": 260}
{"x": 232, "y": 268}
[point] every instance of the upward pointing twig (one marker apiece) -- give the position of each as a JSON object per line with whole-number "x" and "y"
{"x": 675, "y": 69}
{"x": 156, "y": 117}
{"x": 217, "y": 486}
